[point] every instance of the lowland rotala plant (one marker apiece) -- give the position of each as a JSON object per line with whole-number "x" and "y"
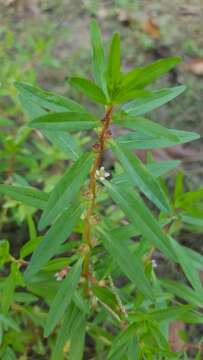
{"x": 106, "y": 225}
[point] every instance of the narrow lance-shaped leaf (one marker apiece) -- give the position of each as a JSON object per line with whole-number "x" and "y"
{"x": 184, "y": 259}
{"x": 66, "y": 189}
{"x": 9, "y": 322}
{"x": 139, "y": 214}
{"x": 146, "y": 224}
{"x": 144, "y": 125}
{"x": 72, "y": 318}
{"x": 98, "y": 57}
{"x": 140, "y": 140}
{"x": 113, "y": 70}
{"x": 130, "y": 265}
{"x": 65, "y": 142}
{"x": 141, "y": 177}
{"x": 89, "y": 89}
{"x": 46, "y": 99}
{"x": 27, "y": 195}
{"x": 156, "y": 169}
{"x": 120, "y": 343}
{"x": 182, "y": 291}
{"x": 55, "y": 236}
{"x": 142, "y": 76}
{"x": 63, "y": 297}
{"x": 153, "y": 101}
{"x": 123, "y": 95}
{"x": 78, "y": 338}
{"x": 65, "y": 121}
{"x": 171, "y": 313}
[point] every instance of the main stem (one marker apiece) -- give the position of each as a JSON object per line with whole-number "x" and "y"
{"x": 92, "y": 190}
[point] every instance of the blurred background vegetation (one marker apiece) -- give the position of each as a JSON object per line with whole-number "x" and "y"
{"x": 44, "y": 41}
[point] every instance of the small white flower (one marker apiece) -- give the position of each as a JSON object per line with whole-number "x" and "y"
{"x": 58, "y": 276}
{"x": 83, "y": 216}
{"x": 154, "y": 264}
{"x": 102, "y": 174}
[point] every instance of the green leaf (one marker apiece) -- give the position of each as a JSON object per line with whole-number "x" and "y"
{"x": 4, "y": 252}
{"x": 66, "y": 189}
{"x": 183, "y": 258}
{"x": 78, "y": 339}
{"x": 156, "y": 169}
{"x": 182, "y": 291}
{"x": 98, "y": 58}
{"x": 142, "y": 76}
{"x": 9, "y": 286}
{"x": 139, "y": 214}
{"x": 196, "y": 259}
{"x": 141, "y": 177}
{"x": 5, "y": 122}
{"x": 63, "y": 297}
{"x": 113, "y": 69}
{"x": 146, "y": 126}
{"x": 106, "y": 296}
{"x": 192, "y": 220}
{"x": 140, "y": 140}
{"x": 27, "y": 195}
{"x": 89, "y": 89}
{"x": 130, "y": 265}
{"x": 32, "y": 109}
{"x": 124, "y": 95}
{"x": 189, "y": 198}
{"x": 65, "y": 142}
{"x": 55, "y": 236}
{"x": 153, "y": 101}
{"x": 178, "y": 185}
{"x": 72, "y": 318}
{"x": 46, "y": 99}
{"x": 7, "y": 321}
{"x": 184, "y": 313}
{"x": 120, "y": 343}
{"x": 30, "y": 246}
{"x": 170, "y": 313}
{"x": 9, "y": 354}
{"x": 65, "y": 121}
